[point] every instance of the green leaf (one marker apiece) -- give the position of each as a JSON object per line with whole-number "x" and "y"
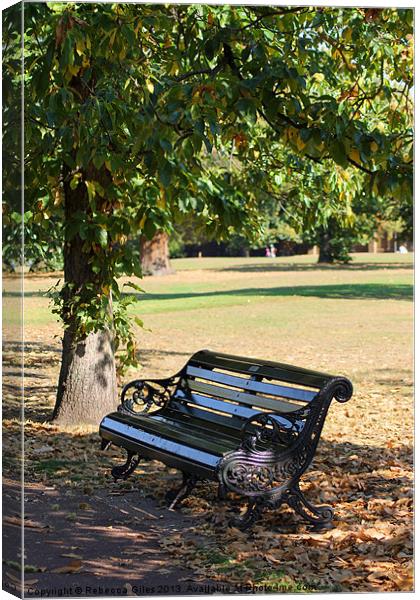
{"x": 246, "y": 105}
{"x": 102, "y": 237}
{"x": 165, "y": 173}
{"x": 165, "y": 145}
{"x": 91, "y": 190}
{"x": 67, "y": 54}
{"x": 134, "y": 286}
{"x": 195, "y": 112}
{"x": 208, "y": 144}
{"x": 98, "y": 160}
{"x": 149, "y": 229}
{"x": 338, "y": 153}
{"x": 75, "y": 180}
{"x": 211, "y": 47}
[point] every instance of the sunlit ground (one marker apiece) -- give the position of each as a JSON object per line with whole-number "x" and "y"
{"x": 355, "y": 320}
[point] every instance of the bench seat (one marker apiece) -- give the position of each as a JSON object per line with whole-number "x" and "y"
{"x": 252, "y": 425}
{"x": 163, "y": 434}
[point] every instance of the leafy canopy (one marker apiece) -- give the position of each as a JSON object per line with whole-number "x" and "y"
{"x": 129, "y": 106}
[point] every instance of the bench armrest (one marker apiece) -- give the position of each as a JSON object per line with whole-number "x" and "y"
{"x": 264, "y": 430}
{"x": 265, "y": 473}
{"x": 270, "y": 459}
{"x": 145, "y": 394}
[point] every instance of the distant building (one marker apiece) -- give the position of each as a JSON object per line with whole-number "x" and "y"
{"x": 384, "y": 241}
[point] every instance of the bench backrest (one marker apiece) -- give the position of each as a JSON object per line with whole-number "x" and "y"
{"x": 227, "y": 389}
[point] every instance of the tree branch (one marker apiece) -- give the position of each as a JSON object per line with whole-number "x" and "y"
{"x": 275, "y": 13}
{"x": 211, "y": 72}
{"x": 361, "y": 167}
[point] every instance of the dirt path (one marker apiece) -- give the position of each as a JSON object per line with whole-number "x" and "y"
{"x": 105, "y": 544}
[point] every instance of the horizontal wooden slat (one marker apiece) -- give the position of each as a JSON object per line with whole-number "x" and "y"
{"x": 219, "y": 405}
{"x": 160, "y": 428}
{"x": 165, "y": 446}
{"x": 252, "y": 385}
{"x": 198, "y": 427}
{"x": 243, "y": 397}
{"x": 199, "y": 419}
{"x": 270, "y": 369}
{"x": 215, "y": 419}
{"x": 260, "y": 362}
{"x": 240, "y": 411}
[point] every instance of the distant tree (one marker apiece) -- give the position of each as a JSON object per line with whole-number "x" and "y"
{"x": 154, "y": 254}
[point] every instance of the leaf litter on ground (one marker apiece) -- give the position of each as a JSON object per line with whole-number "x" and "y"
{"x": 363, "y": 465}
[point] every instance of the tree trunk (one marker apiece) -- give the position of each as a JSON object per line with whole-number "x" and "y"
{"x": 244, "y": 251}
{"x": 325, "y": 250}
{"x": 87, "y": 387}
{"x": 154, "y": 255}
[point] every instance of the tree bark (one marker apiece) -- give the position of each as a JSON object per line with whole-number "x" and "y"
{"x": 87, "y": 387}
{"x": 325, "y": 250}
{"x": 154, "y": 255}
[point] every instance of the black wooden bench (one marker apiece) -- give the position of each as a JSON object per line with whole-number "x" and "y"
{"x": 252, "y": 425}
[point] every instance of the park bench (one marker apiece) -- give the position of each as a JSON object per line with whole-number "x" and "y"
{"x": 252, "y": 425}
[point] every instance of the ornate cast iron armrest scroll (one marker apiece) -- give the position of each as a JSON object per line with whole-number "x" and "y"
{"x": 339, "y": 388}
{"x": 266, "y": 462}
{"x": 145, "y": 394}
{"x": 270, "y": 460}
{"x": 268, "y": 431}
{"x": 264, "y": 474}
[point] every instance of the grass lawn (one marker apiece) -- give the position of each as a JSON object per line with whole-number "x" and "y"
{"x": 355, "y": 320}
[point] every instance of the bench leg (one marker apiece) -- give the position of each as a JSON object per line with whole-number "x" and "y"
{"x": 221, "y": 492}
{"x": 247, "y": 520}
{"x": 316, "y": 515}
{"x": 125, "y": 470}
{"x": 174, "y": 497}
{"x": 105, "y": 444}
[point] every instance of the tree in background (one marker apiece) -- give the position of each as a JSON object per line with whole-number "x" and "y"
{"x": 328, "y": 206}
{"x": 124, "y": 103}
{"x": 334, "y": 194}
{"x": 154, "y": 254}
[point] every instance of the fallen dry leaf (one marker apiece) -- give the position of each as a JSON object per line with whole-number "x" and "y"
{"x": 73, "y": 566}
{"x": 17, "y": 521}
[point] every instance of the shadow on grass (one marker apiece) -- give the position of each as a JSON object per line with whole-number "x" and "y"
{"x": 38, "y": 294}
{"x": 347, "y": 291}
{"x": 40, "y": 356}
{"x": 146, "y": 356}
{"x": 31, "y": 352}
{"x": 362, "y": 291}
{"x": 280, "y": 267}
